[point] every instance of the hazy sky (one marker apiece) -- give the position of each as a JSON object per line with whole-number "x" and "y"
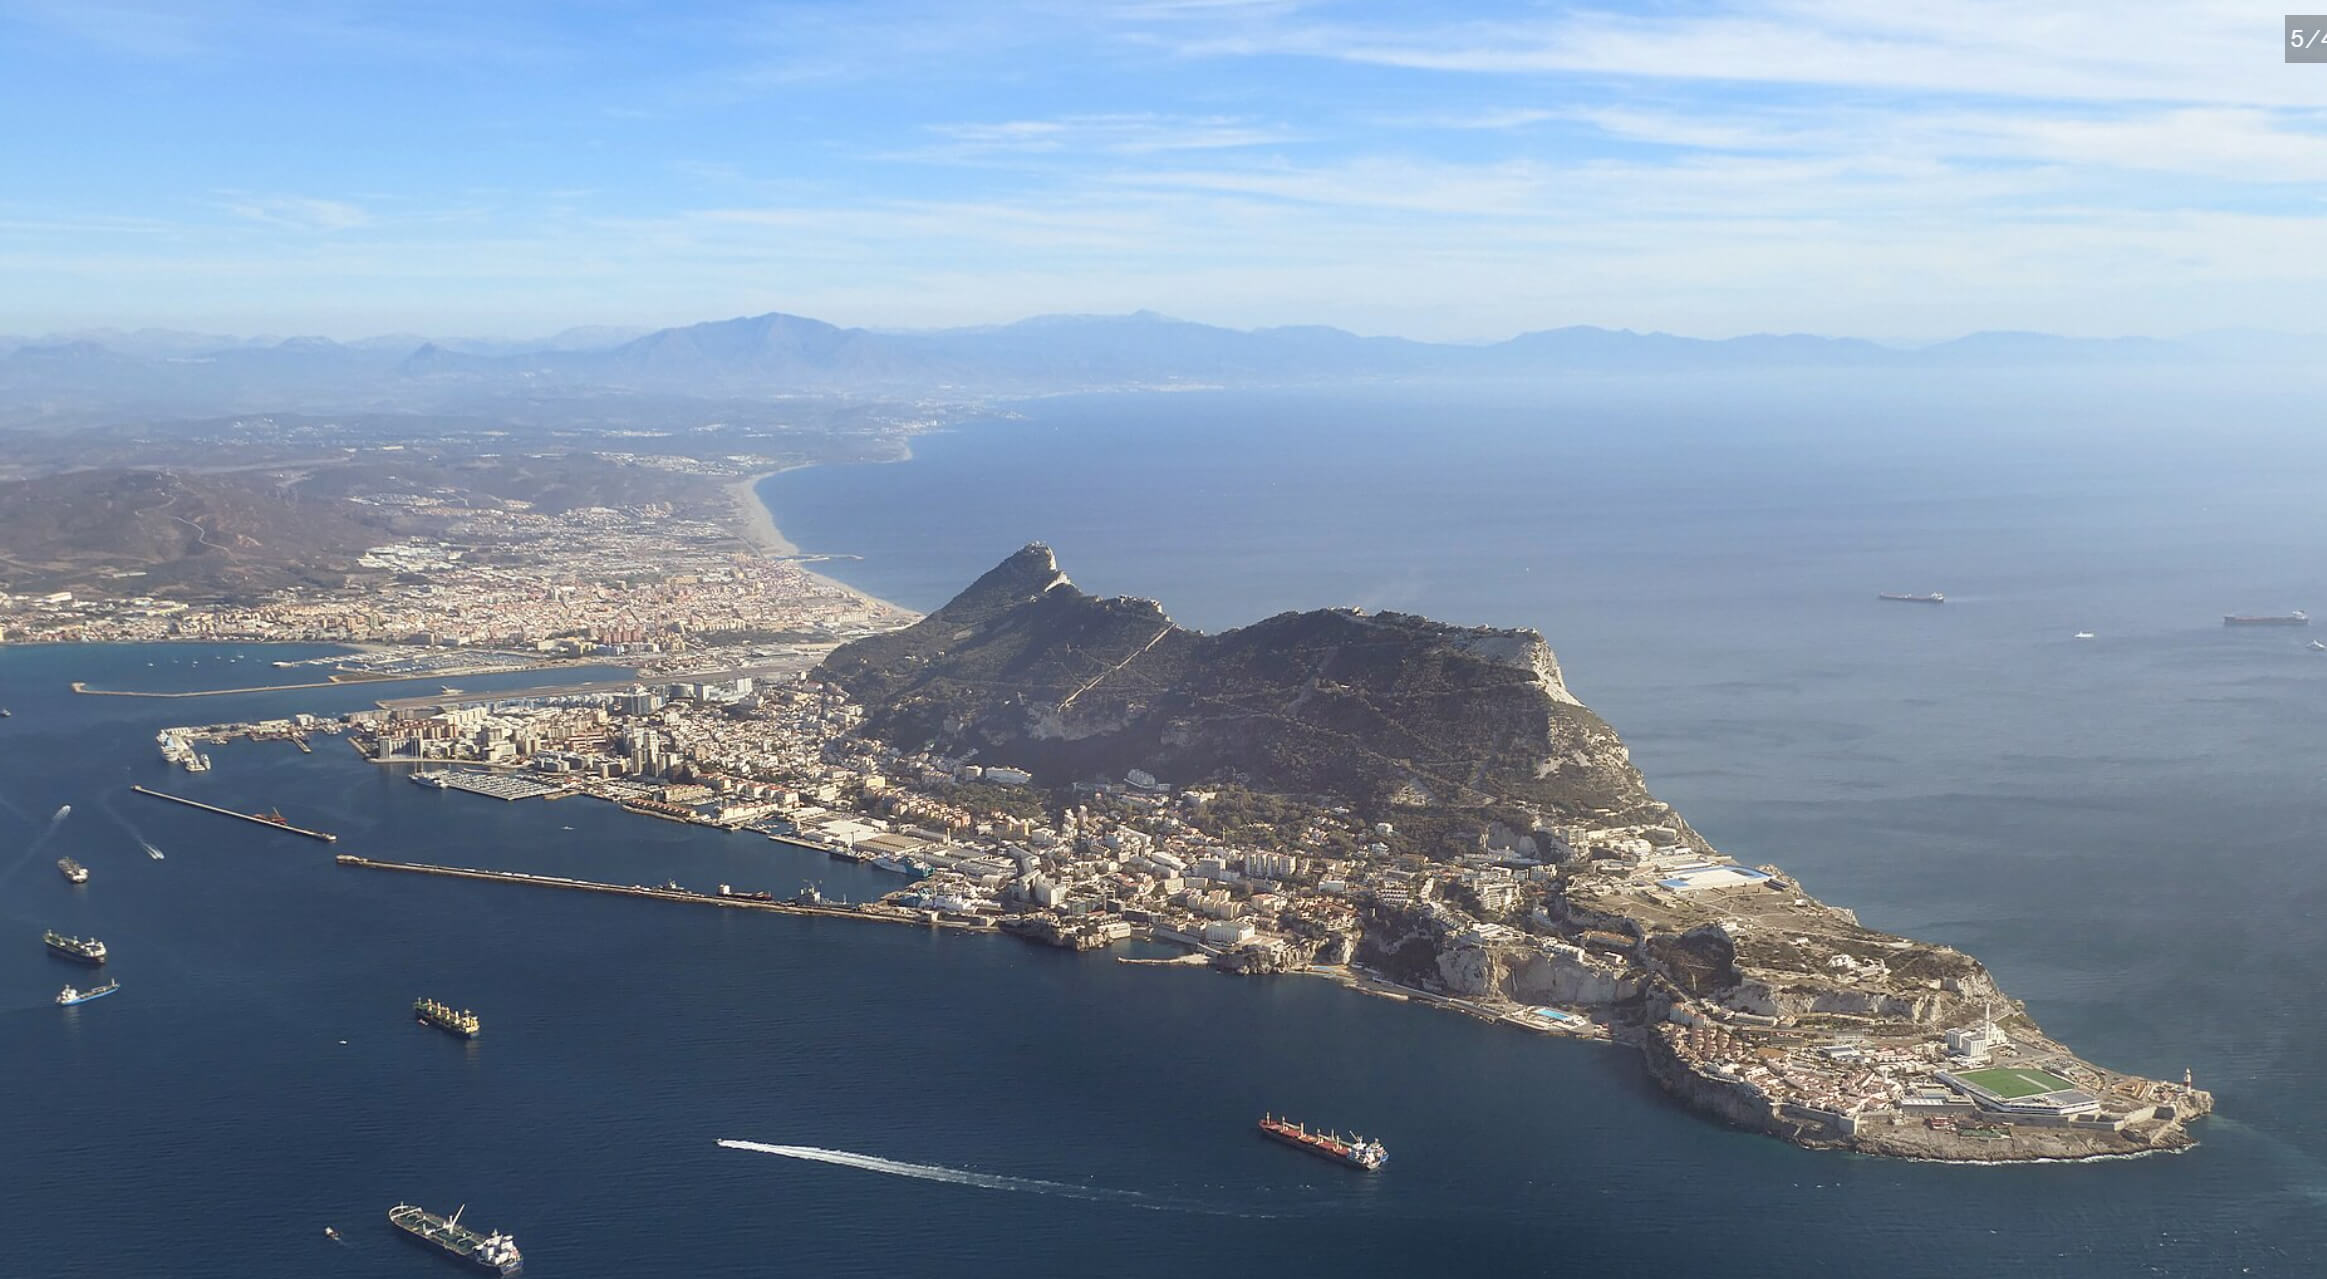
{"x": 1891, "y": 168}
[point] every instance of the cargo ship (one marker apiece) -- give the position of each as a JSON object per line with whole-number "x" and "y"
{"x": 495, "y": 1254}
{"x": 2296, "y": 618}
{"x": 68, "y": 997}
{"x": 80, "y": 950}
{"x": 1354, "y": 1151}
{"x": 442, "y": 1016}
{"x": 73, "y": 870}
{"x": 1933, "y": 598}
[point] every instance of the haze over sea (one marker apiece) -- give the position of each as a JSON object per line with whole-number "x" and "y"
{"x": 2125, "y": 829}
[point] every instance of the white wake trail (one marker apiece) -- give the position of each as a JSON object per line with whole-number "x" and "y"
{"x": 39, "y": 842}
{"x": 131, "y": 827}
{"x": 955, "y": 1176}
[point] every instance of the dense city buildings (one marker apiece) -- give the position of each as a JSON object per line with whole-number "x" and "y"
{"x": 637, "y": 584}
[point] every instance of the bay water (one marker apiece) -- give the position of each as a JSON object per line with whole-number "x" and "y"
{"x": 2126, "y": 829}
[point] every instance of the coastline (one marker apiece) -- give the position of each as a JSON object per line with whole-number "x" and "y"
{"x": 1711, "y": 1094}
{"x": 1901, "y": 1140}
{"x": 757, "y": 529}
{"x": 759, "y": 523}
{"x": 1725, "y": 1100}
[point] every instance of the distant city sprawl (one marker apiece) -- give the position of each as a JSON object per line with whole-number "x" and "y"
{"x": 637, "y": 583}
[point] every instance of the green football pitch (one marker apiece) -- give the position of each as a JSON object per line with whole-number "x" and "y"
{"x": 2012, "y": 1084}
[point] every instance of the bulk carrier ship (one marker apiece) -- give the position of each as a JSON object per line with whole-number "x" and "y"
{"x": 495, "y": 1254}
{"x": 2296, "y": 618}
{"x": 464, "y": 1023}
{"x": 1353, "y": 1151}
{"x": 83, "y": 950}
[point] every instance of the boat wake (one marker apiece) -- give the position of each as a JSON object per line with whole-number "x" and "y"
{"x": 131, "y": 827}
{"x": 981, "y": 1180}
{"x": 933, "y": 1172}
{"x": 40, "y": 841}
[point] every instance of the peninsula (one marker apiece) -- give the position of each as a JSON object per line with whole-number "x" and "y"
{"x": 1430, "y": 802}
{"x": 1416, "y": 809}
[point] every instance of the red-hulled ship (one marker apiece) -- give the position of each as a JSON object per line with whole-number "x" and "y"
{"x": 1354, "y": 1151}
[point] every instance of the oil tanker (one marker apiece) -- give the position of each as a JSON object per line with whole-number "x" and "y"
{"x": 1353, "y": 1151}
{"x": 68, "y": 997}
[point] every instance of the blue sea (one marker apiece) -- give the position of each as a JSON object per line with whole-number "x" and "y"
{"x": 2126, "y": 829}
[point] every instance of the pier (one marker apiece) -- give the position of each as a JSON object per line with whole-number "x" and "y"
{"x": 887, "y": 916}
{"x": 270, "y": 823}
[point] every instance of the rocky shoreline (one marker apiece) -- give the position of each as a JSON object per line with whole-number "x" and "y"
{"x": 1461, "y": 825}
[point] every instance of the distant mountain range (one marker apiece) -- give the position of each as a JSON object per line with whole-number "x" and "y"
{"x": 778, "y": 354}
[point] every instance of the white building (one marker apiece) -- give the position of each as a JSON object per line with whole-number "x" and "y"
{"x": 1976, "y": 1042}
{"x": 1228, "y": 932}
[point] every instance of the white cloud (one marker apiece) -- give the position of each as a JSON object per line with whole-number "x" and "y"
{"x": 299, "y": 213}
{"x": 2127, "y": 50}
{"x": 1126, "y": 134}
{"x": 1492, "y": 118}
{"x": 135, "y": 29}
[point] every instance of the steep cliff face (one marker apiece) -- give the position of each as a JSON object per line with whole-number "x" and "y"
{"x": 1375, "y": 708}
{"x": 1439, "y": 948}
{"x": 1856, "y": 974}
{"x": 1536, "y": 970}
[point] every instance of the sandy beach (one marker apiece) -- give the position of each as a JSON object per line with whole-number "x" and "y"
{"x": 756, "y": 525}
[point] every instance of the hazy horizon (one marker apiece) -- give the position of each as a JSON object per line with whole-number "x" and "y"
{"x": 615, "y": 331}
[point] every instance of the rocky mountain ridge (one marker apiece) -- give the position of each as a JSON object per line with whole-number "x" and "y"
{"x": 1380, "y": 710}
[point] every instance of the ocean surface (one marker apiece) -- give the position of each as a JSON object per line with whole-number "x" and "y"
{"x": 2126, "y": 829}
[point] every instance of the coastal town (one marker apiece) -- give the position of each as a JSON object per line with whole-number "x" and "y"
{"x": 503, "y": 586}
{"x": 1587, "y": 930}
